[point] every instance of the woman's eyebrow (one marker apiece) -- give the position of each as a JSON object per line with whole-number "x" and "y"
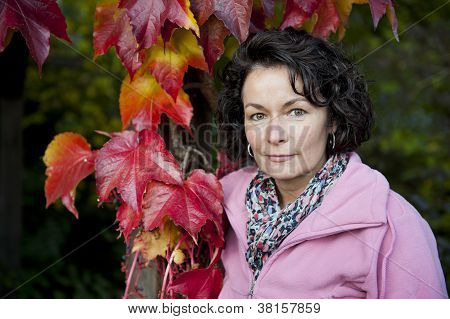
{"x": 288, "y": 103}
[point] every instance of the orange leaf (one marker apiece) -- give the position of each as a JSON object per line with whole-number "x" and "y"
{"x": 167, "y": 66}
{"x": 186, "y": 44}
{"x": 168, "y": 62}
{"x": 144, "y": 100}
{"x": 69, "y": 159}
{"x": 179, "y": 12}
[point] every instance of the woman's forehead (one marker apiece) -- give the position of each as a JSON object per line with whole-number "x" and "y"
{"x": 271, "y": 77}
{"x": 270, "y": 86}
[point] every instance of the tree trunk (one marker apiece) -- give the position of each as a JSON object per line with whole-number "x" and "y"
{"x": 13, "y": 63}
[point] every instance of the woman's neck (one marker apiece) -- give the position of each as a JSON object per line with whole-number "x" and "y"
{"x": 289, "y": 189}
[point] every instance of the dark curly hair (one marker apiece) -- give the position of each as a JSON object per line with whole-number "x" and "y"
{"x": 329, "y": 79}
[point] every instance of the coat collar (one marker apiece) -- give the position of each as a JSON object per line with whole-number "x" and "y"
{"x": 358, "y": 199}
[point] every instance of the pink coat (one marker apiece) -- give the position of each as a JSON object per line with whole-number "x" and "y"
{"x": 363, "y": 241}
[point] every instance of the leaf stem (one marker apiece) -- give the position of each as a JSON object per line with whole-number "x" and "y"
{"x": 163, "y": 289}
{"x": 130, "y": 274}
{"x": 185, "y": 159}
{"x": 216, "y": 251}
{"x": 191, "y": 255}
{"x": 210, "y": 252}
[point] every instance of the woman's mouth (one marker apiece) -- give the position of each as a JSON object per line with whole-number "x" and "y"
{"x": 280, "y": 158}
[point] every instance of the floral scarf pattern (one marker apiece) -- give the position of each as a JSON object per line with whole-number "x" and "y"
{"x": 268, "y": 225}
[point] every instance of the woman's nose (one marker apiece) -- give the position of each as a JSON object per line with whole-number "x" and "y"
{"x": 276, "y": 134}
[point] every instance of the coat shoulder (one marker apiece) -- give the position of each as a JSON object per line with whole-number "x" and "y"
{"x": 401, "y": 211}
{"x": 409, "y": 264}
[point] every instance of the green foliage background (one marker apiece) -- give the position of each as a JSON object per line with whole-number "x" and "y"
{"x": 408, "y": 85}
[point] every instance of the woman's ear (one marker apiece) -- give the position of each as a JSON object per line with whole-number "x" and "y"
{"x": 334, "y": 128}
{"x": 332, "y": 125}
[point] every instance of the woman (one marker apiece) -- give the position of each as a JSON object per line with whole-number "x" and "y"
{"x": 308, "y": 218}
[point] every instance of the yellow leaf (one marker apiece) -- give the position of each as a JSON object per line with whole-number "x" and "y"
{"x": 153, "y": 243}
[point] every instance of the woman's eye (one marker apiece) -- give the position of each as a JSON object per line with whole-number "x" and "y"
{"x": 297, "y": 112}
{"x": 257, "y": 116}
{"x": 293, "y": 112}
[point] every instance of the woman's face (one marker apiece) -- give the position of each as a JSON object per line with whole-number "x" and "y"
{"x": 280, "y": 122}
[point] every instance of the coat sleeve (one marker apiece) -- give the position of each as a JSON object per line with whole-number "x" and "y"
{"x": 408, "y": 263}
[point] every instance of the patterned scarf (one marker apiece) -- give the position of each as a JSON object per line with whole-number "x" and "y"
{"x": 268, "y": 225}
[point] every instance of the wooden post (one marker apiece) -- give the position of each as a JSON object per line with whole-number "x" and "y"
{"x": 13, "y": 62}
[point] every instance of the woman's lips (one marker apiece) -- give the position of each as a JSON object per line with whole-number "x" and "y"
{"x": 280, "y": 158}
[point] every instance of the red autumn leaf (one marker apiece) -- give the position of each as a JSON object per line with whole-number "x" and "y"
{"x": 189, "y": 205}
{"x": 129, "y": 161}
{"x": 202, "y": 10}
{"x": 212, "y": 34}
{"x": 210, "y": 189}
{"x": 142, "y": 101}
{"x": 35, "y": 20}
{"x": 203, "y": 283}
{"x": 128, "y": 220}
{"x": 69, "y": 159}
{"x": 147, "y": 17}
{"x": 327, "y": 19}
{"x": 378, "y": 8}
{"x": 235, "y": 14}
{"x": 68, "y": 201}
{"x": 207, "y": 187}
{"x": 332, "y": 15}
{"x": 294, "y": 15}
{"x": 298, "y": 11}
{"x": 308, "y": 6}
{"x": 213, "y": 232}
{"x": 112, "y": 28}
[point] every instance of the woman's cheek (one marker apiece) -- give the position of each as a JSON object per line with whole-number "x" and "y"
{"x": 252, "y": 136}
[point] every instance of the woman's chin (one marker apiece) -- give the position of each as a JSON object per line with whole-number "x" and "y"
{"x": 282, "y": 171}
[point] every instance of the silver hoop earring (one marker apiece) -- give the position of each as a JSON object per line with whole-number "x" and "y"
{"x": 248, "y": 149}
{"x": 334, "y": 141}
